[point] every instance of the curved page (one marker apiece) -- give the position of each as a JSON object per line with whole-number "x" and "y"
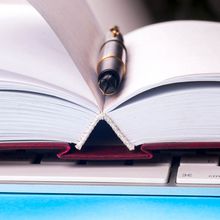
{"x": 32, "y": 51}
{"x": 169, "y": 52}
{"x": 76, "y": 26}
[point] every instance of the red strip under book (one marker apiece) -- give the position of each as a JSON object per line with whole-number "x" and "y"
{"x": 68, "y": 152}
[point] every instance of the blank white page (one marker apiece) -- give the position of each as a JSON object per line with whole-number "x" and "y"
{"x": 31, "y": 49}
{"x": 170, "y": 52}
{"x": 76, "y": 26}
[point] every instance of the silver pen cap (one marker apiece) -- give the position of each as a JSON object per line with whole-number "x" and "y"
{"x": 111, "y": 67}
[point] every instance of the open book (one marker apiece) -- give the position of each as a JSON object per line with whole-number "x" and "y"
{"x": 48, "y": 78}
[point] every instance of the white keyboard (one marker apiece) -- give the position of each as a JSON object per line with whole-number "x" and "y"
{"x": 199, "y": 170}
{"x": 164, "y": 170}
{"x": 92, "y": 172}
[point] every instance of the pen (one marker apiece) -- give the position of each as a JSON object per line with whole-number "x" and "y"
{"x": 111, "y": 67}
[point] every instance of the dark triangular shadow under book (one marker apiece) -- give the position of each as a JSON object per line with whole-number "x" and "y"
{"x": 103, "y": 144}
{"x": 103, "y": 135}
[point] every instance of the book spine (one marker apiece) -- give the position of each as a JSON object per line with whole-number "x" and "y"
{"x": 103, "y": 116}
{"x": 118, "y": 132}
{"x": 88, "y": 131}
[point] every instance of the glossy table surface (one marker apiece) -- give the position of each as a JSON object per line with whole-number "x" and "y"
{"x": 20, "y": 201}
{"x": 43, "y": 206}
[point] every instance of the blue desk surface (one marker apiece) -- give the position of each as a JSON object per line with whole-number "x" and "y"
{"x": 42, "y": 206}
{"x": 26, "y": 201}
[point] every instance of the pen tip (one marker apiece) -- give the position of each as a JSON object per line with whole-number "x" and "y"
{"x": 108, "y": 83}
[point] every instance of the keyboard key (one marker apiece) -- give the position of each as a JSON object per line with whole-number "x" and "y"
{"x": 199, "y": 161}
{"x": 72, "y": 173}
{"x": 198, "y": 174}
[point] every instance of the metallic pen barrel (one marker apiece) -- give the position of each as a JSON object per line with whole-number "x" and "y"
{"x": 111, "y": 67}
